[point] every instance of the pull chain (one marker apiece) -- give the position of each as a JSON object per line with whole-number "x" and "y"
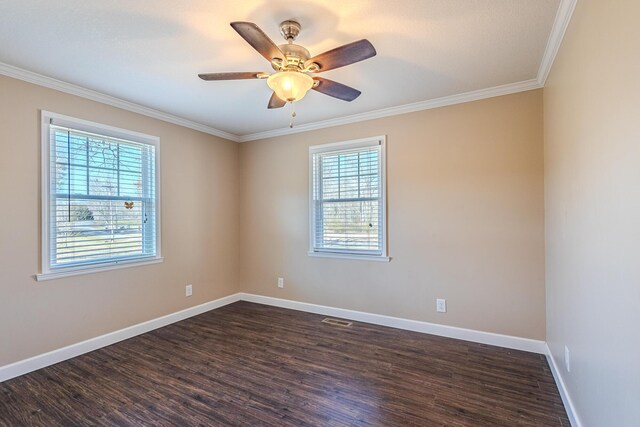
{"x": 293, "y": 115}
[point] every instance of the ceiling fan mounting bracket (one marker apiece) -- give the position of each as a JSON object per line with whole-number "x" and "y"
{"x": 290, "y": 29}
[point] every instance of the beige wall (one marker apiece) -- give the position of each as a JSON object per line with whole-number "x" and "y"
{"x": 199, "y": 230}
{"x": 465, "y": 197}
{"x": 592, "y": 186}
{"x": 465, "y": 212}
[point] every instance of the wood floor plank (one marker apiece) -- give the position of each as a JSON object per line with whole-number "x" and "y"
{"x": 250, "y": 364}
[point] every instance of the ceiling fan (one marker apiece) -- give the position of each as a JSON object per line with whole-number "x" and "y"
{"x": 293, "y": 64}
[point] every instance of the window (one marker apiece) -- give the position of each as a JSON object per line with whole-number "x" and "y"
{"x": 100, "y": 204}
{"x": 347, "y": 199}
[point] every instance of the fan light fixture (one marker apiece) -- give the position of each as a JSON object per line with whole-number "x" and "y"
{"x": 292, "y": 63}
{"x": 290, "y": 86}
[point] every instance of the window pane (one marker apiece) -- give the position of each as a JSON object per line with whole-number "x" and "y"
{"x": 78, "y": 149}
{"x": 368, "y": 163}
{"x": 77, "y": 180}
{"x": 349, "y": 187}
{"x": 331, "y": 188}
{"x": 369, "y": 186}
{"x": 89, "y": 229}
{"x": 103, "y": 182}
{"x": 330, "y": 167}
{"x": 62, "y": 147}
{"x": 349, "y": 225}
{"x": 130, "y": 158}
{"x": 103, "y": 154}
{"x": 103, "y": 201}
{"x": 130, "y": 184}
{"x": 347, "y": 200}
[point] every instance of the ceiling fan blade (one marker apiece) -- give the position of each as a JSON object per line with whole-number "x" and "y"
{"x": 335, "y": 89}
{"x": 229, "y": 76}
{"x": 258, "y": 40}
{"x": 343, "y": 55}
{"x": 276, "y": 102}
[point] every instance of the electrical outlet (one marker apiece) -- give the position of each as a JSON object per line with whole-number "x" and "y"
{"x": 188, "y": 290}
{"x": 441, "y": 305}
{"x": 281, "y": 282}
{"x": 567, "y": 359}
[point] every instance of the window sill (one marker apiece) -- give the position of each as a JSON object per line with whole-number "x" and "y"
{"x": 377, "y": 258}
{"x": 76, "y": 271}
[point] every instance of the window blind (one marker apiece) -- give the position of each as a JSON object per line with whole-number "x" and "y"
{"x": 347, "y": 201}
{"x": 102, "y": 198}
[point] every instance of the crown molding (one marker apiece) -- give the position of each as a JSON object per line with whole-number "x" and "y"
{"x": 49, "y": 82}
{"x": 475, "y": 95}
{"x": 59, "y": 85}
{"x": 558, "y": 30}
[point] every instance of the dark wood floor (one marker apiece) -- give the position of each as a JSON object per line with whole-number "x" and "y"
{"x": 251, "y": 365}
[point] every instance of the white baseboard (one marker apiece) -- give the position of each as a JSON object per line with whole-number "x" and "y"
{"x": 40, "y": 361}
{"x": 33, "y": 363}
{"x": 562, "y": 388}
{"x": 490, "y": 338}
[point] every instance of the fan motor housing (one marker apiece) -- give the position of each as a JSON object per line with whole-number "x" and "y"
{"x": 296, "y": 56}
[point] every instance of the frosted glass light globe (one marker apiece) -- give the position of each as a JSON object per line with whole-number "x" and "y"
{"x": 290, "y": 86}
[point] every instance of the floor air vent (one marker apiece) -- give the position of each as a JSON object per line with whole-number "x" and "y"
{"x": 337, "y": 322}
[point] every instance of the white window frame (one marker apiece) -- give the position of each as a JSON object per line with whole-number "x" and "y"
{"x": 348, "y": 145}
{"x": 49, "y": 118}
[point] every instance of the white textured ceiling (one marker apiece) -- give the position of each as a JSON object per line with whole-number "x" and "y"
{"x": 150, "y": 51}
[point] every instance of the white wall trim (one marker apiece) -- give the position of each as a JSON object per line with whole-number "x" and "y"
{"x": 562, "y": 388}
{"x": 51, "y": 83}
{"x": 475, "y": 95}
{"x": 90, "y": 269}
{"x": 47, "y": 271}
{"x": 343, "y": 255}
{"x": 33, "y": 363}
{"x": 46, "y": 359}
{"x": 560, "y": 24}
{"x": 558, "y": 30}
{"x": 490, "y": 338}
{"x": 316, "y": 152}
